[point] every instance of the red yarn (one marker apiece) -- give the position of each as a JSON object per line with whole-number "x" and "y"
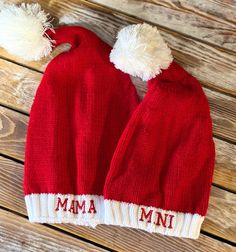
{"x": 89, "y": 137}
{"x": 80, "y": 110}
{"x": 165, "y": 156}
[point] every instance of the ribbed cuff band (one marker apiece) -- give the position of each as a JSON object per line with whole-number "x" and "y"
{"x": 153, "y": 219}
{"x": 86, "y": 210}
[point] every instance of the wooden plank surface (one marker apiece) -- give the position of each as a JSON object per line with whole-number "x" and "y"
{"x": 220, "y": 214}
{"x": 223, "y": 114}
{"x": 220, "y": 220}
{"x": 18, "y": 86}
{"x": 125, "y": 239}
{"x": 13, "y": 128}
{"x": 202, "y": 37}
{"x": 36, "y": 237}
{"x": 210, "y": 21}
{"x": 225, "y": 167}
{"x": 208, "y": 63}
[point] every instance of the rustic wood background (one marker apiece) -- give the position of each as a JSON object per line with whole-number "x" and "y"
{"x": 202, "y": 36}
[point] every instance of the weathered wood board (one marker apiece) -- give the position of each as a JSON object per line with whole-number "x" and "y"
{"x": 213, "y": 22}
{"x": 18, "y": 86}
{"x": 220, "y": 220}
{"x": 36, "y": 237}
{"x": 125, "y": 239}
{"x": 13, "y": 127}
{"x": 207, "y": 62}
{"x": 202, "y": 36}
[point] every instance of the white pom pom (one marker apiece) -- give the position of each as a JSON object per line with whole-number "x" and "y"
{"x": 141, "y": 51}
{"x": 22, "y": 31}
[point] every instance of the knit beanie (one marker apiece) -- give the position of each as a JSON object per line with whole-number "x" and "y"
{"x": 80, "y": 109}
{"x": 161, "y": 171}
{"x": 94, "y": 153}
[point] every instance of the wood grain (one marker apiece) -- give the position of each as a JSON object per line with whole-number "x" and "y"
{"x": 19, "y": 84}
{"x": 223, "y": 113}
{"x": 210, "y": 21}
{"x": 214, "y": 67}
{"x": 13, "y": 127}
{"x": 125, "y": 239}
{"x": 36, "y": 237}
{"x": 218, "y": 218}
{"x": 225, "y": 167}
{"x": 202, "y": 37}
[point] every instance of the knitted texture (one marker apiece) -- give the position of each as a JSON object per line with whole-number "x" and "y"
{"x": 80, "y": 110}
{"x": 95, "y": 154}
{"x": 164, "y": 159}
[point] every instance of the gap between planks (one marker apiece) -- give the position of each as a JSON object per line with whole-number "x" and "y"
{"x": 194, "y": 19}
{"x": 209, "y": 64}
{"x": 220, "y": 219}
{"x": 158, "y": 244}
{"x": 19, "y": 84}
{"x": 18, "y": 233}
{"x": 13, "y": 135}
{"x": 122, "y": 239}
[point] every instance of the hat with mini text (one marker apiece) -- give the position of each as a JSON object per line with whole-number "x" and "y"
{"x": 161, "y": 171}
{"x": 95, "y": 154}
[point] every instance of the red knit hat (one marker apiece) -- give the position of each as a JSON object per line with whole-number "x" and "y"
{"x": 88, "y": 136}
{"x": 80, "y": 110}
{"x": 161, "y": 172}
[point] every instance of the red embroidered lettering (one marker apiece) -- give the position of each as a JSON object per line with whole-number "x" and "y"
{"x": 146, "y": 215}
{"x": 80, "y": 206}
{"x": 75, "y": 206}
{"x": 72, "y": 207}
{"x": 171, "y": 218}
{"x": 92, "y": 207}
{"x": 62, "y": 205}
{"x": 160, "y": 218}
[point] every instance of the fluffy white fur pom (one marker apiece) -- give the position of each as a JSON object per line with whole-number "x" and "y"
{"x": 141, "y": 51}
{"x": 22, "y": 31}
